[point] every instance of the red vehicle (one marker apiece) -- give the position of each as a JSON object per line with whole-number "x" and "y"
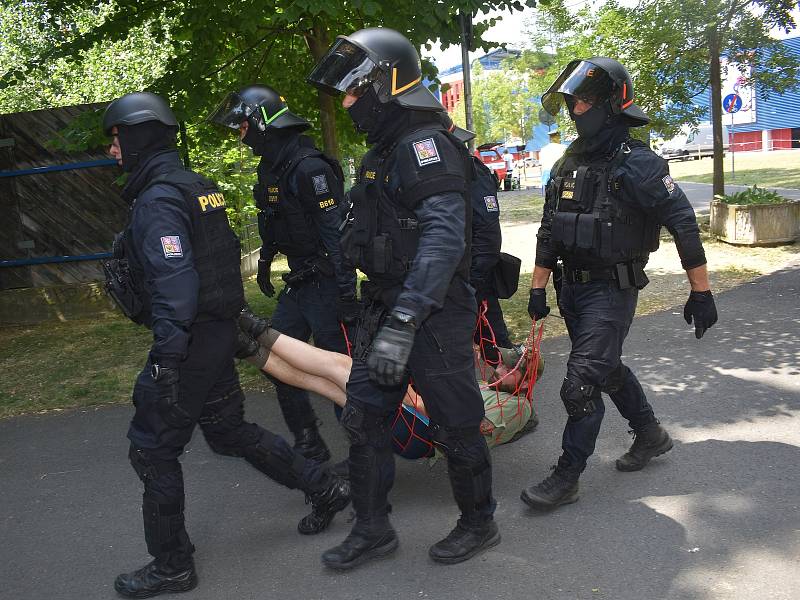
{"x": 492, "y": 158}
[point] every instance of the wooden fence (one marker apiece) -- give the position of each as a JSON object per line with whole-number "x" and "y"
{"x": 58, "y": 208}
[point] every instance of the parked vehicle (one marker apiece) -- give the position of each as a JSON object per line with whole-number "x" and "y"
{"x": 492, "y": 158}
{"x": 689, "y": 145}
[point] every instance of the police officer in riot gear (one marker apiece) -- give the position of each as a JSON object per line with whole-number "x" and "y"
{"x": 177, "y": 268}
{"x": 409, "y": 232}
{"x": 298, "y": 195}
{"x": 605, "y": 203}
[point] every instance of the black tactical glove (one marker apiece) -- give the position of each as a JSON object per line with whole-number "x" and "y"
{"x": 167, "y": 380}
{"x": 391, "y": 348}
{"x": 348, "y": 309}
{"x": 264, "y": 267}
{"x": 537, "y": 304}
{"x": 701, "y": 309}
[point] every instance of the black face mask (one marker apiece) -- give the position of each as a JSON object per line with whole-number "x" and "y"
{"x": 367, "y": 112}
{"x": 140, "y": 142}
{"x": 254, "y": 138}
{"x": 591, "y": 122}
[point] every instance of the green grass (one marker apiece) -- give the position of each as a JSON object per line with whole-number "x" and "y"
{"x": 779, "y": 168}
{"x": 521, "y": 206}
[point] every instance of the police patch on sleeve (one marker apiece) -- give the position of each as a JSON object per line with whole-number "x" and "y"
{"x": 426, "y": 152}
{"x": 668, "y": 183}
{"x": 491, "y": 203}
{"x": 171, "y": 244}
{"x": 320, "y": 184}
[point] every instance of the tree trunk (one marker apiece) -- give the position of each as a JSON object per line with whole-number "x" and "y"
{"x": 318, "y": 40}
{"x": 716, "y": 116}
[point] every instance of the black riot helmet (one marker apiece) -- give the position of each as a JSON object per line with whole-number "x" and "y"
{"x": 261, "y": 106}
{"x": 136, "y": 108}
{"x": 380, "y": 57}
{"x": 145, "y": 126}
{"x": 598, "y": 81}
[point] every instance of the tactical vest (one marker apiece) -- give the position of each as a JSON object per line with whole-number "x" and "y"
{"x": 381, "y": 235}
{"x": 216, "y": 249}
{"x": 591, "y": 224}
{"x": 289, "y": 227}
{"x": 483, "y": 187}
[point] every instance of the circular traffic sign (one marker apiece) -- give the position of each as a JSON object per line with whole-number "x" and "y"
{"x": 732, "y": 103}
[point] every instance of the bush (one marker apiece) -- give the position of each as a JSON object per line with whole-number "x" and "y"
{"x": 753, "y": 195}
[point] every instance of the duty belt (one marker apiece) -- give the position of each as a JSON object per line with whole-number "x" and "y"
{"x": 588, "y": 275}
{"x": 626, "y": 274}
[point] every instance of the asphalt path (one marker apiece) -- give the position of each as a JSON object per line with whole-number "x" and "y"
{"x": 716, "y": 518}
{"x": 701, "y": 194}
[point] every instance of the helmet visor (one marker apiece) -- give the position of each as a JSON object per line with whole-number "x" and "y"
{"x": 582, "y": 80}
{"x": 346, "y": 68}
{"x": 231, "y": 112}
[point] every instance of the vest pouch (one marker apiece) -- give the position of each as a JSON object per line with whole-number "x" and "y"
{"x": 584, "y": 231}
{"x": 382, "y": 254}
{"x": 260, "y": 196}
{"x": 606, "y": 233}
{"x": 563, "y": 228}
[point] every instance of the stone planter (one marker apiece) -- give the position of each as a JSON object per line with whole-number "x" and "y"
{"x": 755, "y": 224}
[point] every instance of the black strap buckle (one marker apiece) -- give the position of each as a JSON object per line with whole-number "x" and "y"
{"x": 580, "y": 276}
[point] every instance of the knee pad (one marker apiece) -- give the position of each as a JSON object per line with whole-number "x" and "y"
{"x": 365, "y": 427}
{"x": 616, "y": 379}
{"x": 224, "y": 426}
{"x": 579, "y": 398}
{"x": 464, "y": 447}
{"x": 273, "y": 456}
{"x": 148, "y": 467}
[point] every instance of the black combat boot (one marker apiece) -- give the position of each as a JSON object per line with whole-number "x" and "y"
{"x": 167, "y": 540}
{"x": 560, "y": 487}
{"x": 309, "y": 443}
{"x": 465, "y": 541}
{"x": 372, "y": 536}
{"x": 156, "y": 577}
{"x": 470, "y": 471}
{"x": 324, "y": 505}
{"x": 650, "y": 441}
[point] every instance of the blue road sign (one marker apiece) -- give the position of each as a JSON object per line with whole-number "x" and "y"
{"x": 732, "y": 103}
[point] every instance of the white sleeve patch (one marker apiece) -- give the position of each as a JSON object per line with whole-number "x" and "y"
{"x": 668, "y": 183}
{"x": 491, "y": 203}
{"x": 171, "y": 244}
{"x": 426, "y": 152}
{"x": 320, "y": 184}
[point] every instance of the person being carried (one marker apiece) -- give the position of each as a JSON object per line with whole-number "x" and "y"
{"x": 509, "y": 412}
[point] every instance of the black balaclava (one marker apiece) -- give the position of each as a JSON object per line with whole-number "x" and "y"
{"x": 376, "y": 119}
{"x": 599, "y": 130}
{"x": 270, "y": 144}
{"x": 140, "y": 142}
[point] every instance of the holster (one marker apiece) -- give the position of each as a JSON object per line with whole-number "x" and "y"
{"x": 119, "y": 286}
{"x": 371, "y": 321}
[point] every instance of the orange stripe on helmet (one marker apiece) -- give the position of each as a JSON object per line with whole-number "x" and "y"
{"x": 627, "y": 104}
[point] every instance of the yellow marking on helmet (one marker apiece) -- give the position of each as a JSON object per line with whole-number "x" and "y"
{"x": 395, "y": 89}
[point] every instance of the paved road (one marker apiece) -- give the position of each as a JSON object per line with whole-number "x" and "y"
{"x": 701, "y": 194}
{"x": 715, "y": 519}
